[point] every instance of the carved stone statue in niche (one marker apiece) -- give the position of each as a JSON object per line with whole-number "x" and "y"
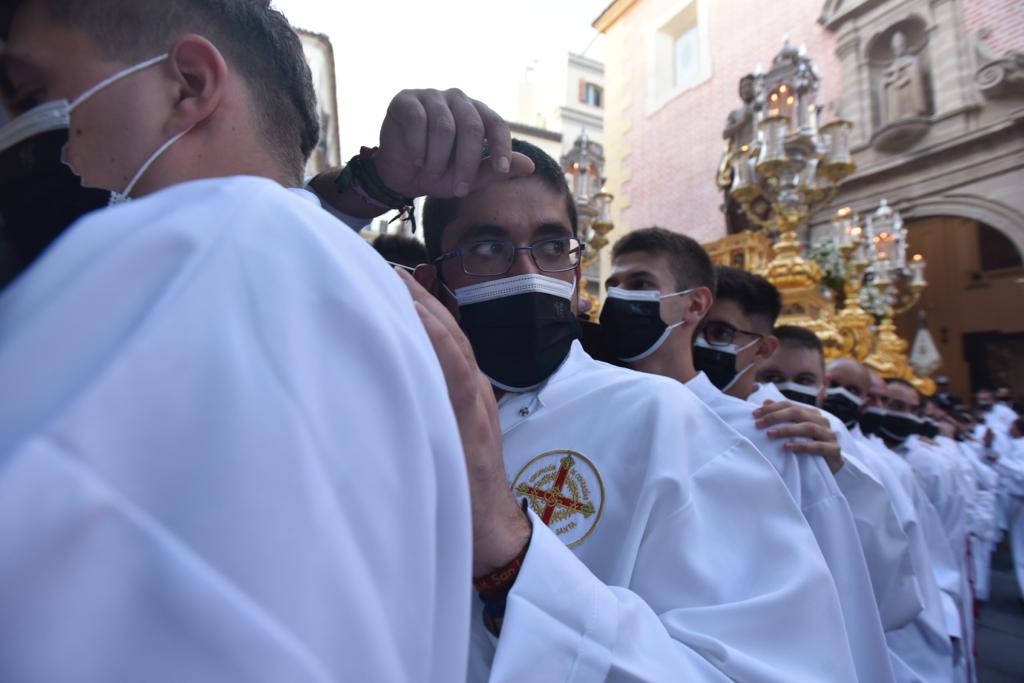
{"x": 903, "y": 89}
{"x": 739, "y": 124}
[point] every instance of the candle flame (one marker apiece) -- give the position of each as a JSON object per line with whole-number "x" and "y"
{"x": 782, "y": 88}
{"x": 918, "y": 257}
{"x": 775, "y": 97}
{"x": 856, "y": 230}
{"x": 845, "y": 211}
{"x": 789, "y": 100}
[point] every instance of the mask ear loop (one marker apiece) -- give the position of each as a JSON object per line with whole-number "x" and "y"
{"x": 115, "y": 78}
{"x": 122, "y": 197}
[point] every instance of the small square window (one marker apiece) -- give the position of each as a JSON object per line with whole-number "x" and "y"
{"x": 591, "y": 94}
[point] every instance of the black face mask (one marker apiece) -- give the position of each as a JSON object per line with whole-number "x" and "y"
{"x": 39, "y": 195}
{"x": 899, "y": 426}
{"x": 521, "y": 328}
{"x": 798, "y": 393}
{"x": 631, "y": 322}
{"x": 871, "y": 420}
{"x": 843, "y": 404}
{"x": 719, "y": 362}
{"x": 928, "y": 429}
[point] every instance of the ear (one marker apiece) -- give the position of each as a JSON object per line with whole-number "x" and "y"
{"x": 427, "y": 277}
{"x": 700, "y": 303}
{"x": 201, "y": 76}
{"x": 769, "y": 345}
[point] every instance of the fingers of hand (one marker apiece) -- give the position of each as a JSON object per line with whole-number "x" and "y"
{"x": 440, "y": 313}
{"x": 787, "y": 412}
{"x": 458, "y": 374}
{"x": 521, "y": 166}
{"x": 440, "y": 130}
{"x": 469, "y": 141}
{"x": 403, "y": 135}
{"x": 499, "y": 138}
{"x": 807, "y": 430}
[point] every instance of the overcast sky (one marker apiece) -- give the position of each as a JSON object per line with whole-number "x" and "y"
{"x": 480, "y": 46}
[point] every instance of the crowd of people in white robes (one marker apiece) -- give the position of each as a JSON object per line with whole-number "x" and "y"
{"x": 238, "y": 443}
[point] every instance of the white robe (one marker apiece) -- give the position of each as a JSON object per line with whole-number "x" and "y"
{"x": 226, "y": 453}
{"x": 689, "y": 559}
{"x": 922, "y": 650}
{"x": 885, "y": 545}
{"x": 815, "y": 490}
{"x": 947, "y": 561}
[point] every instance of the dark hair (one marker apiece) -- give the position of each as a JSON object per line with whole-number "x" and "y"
{"x": 439, "y": 213}
{"x": 756, "y": 297}
{"x": 1019, "y": 424}
{"x": 403, "y": 249}
{"x": 796, "y": 337}
{"x": 689, "y": 263}
{"x": 256, "y": 41}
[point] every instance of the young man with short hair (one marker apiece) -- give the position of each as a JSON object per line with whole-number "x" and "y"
{"x": 198, "y": 481}
{"x": 637, "y": 563}
{"x": 657, "y": 264}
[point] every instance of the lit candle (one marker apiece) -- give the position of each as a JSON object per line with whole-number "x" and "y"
{"x": 917, "y": 266}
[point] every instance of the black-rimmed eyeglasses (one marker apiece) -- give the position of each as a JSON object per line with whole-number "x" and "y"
{"x": 495, "y": 257}
{"x": 722, "y": 334}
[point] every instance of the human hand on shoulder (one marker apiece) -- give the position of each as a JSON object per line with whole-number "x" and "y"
{"x": 500, "y": 529}
{"x": 785, "y": 420}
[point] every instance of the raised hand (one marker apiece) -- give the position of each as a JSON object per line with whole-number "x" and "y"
{"x": 432, "y": 143}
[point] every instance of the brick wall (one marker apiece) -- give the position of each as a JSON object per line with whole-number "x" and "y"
{"x": 1004, "y": 18}
{"x": 669, "y": 158}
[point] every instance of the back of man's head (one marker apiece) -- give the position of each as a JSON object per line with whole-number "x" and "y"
{"x": 401, "y": 249}
{"x": 438, "y": 213}
{"x": 757, "y": 298}
{"x": 689, "y": 262}
{"x": 257, "y": 43}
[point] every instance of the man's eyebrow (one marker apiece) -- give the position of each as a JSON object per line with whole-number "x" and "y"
{"x": 483, "y": 231}
{"x": 553, "y": 230}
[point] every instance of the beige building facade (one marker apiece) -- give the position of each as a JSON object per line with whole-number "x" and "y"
{"x": 935, "y": 90}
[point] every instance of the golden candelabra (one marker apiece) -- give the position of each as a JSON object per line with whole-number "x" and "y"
{"x": 787, "y": 172}
{"x": 899, "y": 286}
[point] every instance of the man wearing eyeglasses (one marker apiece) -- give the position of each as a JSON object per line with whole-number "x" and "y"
{"x": 634, "y": 560}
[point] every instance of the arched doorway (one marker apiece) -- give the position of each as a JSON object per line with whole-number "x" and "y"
{"x": 974, "y": 302}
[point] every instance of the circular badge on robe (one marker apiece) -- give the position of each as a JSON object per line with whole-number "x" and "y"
{"x": 565, "y": 490}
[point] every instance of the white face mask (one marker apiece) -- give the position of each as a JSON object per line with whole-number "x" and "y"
{"x": 62, "y": 110}
{"x": 511, "y": 286}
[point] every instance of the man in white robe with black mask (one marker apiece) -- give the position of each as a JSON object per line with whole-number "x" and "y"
{"x": 226, "y": 449}
{"x": 658, "y": 545}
